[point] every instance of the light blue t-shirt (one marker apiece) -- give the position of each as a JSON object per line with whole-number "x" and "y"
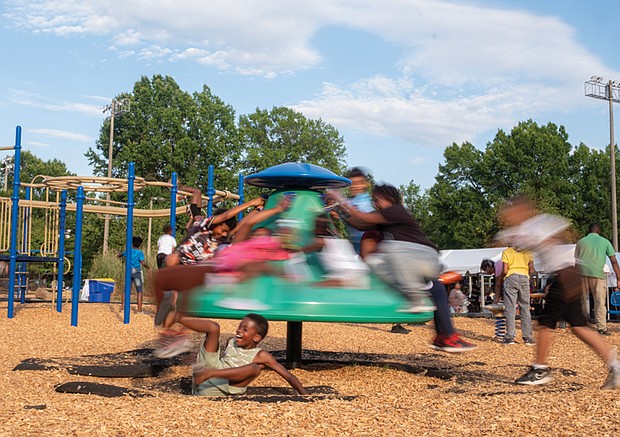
{"x": 362, "y": 202}
{"x": 136, "y": 257}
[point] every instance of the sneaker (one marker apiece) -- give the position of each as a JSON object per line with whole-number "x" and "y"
{"x": 507, "y": 340}
{"x": 165, "y": 307}
{"x": 528, "y": 342}
{"x": 172, "y": 345}
{"x": 535, "y": 377}
{"x": 418, "y": 304}
{"x": 452, "y": 344}
{"x": 399, "y": 329}
{"x": 613, "y": 379}
{"x": 604, "y": 332}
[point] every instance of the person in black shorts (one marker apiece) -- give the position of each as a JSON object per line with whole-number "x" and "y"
{"x": 542, "y": 233}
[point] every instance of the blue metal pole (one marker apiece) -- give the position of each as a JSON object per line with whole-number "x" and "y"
{"x": 129, "y": 237}
{"x": 210, "y": 192}
{"x": 241, "y": 196}
{"x": 61, "y": 248}
{"x": 22, "y": 276}
{"x": 77, "y": 255}
{"x": 173, "y": 204}
{"x": 14, "y": 220}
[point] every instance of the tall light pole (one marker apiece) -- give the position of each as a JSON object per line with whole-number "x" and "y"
{"x": 117, "y": 107}
{"x": 610, "y": 91}
{"x": 148, "y": 241}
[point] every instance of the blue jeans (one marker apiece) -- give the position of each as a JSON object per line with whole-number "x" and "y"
{"x": 441, "y": 317}
{"x": 136, "y": 278}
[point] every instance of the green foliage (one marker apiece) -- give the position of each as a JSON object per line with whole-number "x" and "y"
{"x": 535, "y": 160}
{"x": 168, "y": 130}
{"x": 284, "y": 135}
{"x": 111, "y": 266}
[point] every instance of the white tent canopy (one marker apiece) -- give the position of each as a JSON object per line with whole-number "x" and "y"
{"x": 468, "y": 260}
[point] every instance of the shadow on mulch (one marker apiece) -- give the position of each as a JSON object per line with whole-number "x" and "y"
{"x": 138, "y": 363}
{"x": 141, "y": 366}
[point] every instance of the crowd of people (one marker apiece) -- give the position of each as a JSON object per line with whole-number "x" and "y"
{"x": 385, "y": 240}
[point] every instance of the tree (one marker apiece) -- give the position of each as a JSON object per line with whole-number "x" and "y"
{"x": 168, "y": 130}
{"x": 284, "y": 135}
{"x": 589, "y": 174}
{"x": 532, "y": 159}
{"x": 536, "y": 160}
{"x": 416, "y": 202}
{"x": 461, "y": 208}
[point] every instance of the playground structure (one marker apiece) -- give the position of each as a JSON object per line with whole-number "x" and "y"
{"x": 16, "y": 223}
{"x": 285, "y": 301}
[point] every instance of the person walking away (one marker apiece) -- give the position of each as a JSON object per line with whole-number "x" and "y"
{"x": 543, "y": 234}
{"x": 590, "y": 253}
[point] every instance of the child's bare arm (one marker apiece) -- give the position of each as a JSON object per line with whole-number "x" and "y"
{"x": 245, "y": 226}
{"x": 221, "y": 218}
{"x": 266, "y": 359}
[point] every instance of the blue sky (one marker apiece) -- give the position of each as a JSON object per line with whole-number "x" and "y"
{"x": 399, "y": 79}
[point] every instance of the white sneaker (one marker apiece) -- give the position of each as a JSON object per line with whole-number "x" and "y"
{"x": 613, "y": 379}
{"x": 171, "y": 346}
{"x": 535, "y": 377}
{"x": 418, "y": 304}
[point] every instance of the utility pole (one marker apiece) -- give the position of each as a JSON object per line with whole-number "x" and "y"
{"x": 148, "y": 240}
{"x": 117, "y": 107}
{"x": 7, "y": 166}
{"x": 610, "y": 91}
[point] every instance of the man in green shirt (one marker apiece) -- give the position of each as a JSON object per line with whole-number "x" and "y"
{"x": 590, "y": 253}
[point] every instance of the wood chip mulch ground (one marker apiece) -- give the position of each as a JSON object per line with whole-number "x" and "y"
{"x": 363, "y": 380}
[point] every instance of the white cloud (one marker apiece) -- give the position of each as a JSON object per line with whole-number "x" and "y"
{"x": 129, "y": 37}
{"x": 33, "y": 100}
{"x": 271, "y": 37}
{"x": 393, "y": 108}
{"x": 38, "y": 144}
{"x": 65, "y": 135}
{"x": 453, "y": 81}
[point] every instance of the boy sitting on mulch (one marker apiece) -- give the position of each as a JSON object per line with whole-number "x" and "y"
{"x": 241, "y": 362}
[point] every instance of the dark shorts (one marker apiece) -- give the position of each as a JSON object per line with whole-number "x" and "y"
{"x": 560, "y": 304}
{"x": 194, "y": 210}
{"x": 161, "y": 258}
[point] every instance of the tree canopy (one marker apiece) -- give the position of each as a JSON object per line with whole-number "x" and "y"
{"x": 538, "y": 161}
{"x": 168, "y": 129}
